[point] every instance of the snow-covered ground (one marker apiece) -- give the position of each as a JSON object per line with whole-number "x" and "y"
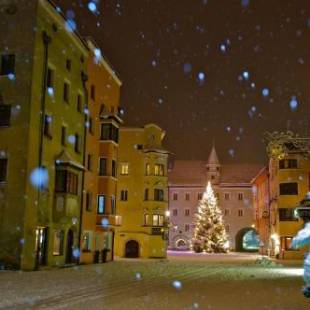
{"x": 184, "y": 281}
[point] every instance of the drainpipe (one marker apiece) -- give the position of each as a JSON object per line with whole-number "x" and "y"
{"x": 84, "y": 78}
{"x": 46, "y": 41}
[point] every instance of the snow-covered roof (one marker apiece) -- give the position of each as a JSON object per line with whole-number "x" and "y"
{"x": 194, "y": 172}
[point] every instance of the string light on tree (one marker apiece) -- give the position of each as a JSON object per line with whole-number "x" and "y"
{"x": 209, "y": 231}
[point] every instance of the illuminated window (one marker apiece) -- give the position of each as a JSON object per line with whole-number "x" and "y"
{"x": 146, "y": 219}
{"x": 124, "y": 169}
{"x": 159, "y": 169}
{"x": 158, "y": 220}
{"x": 101, "y": 204}
{"x": 147, "y": 169}
{"x": 87, "y": 241}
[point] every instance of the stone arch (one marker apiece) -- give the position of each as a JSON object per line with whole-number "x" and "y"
{"x": 247, "y": 240}
{"x": 181, "y": 242}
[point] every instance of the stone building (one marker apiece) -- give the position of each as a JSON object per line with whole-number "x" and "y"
{"x": 233, "y": 188}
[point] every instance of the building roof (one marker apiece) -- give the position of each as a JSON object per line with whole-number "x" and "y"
{"x": 193, "y": 172}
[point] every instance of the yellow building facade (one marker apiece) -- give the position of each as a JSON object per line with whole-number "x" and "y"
{"x": 289, "y": 183}
{"x": 99, "y": 216}
{"x": 42, "y": 135}
{"x": 142, "y": 193}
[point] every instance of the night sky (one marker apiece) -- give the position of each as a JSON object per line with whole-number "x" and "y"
{"x": 222, "y": 71}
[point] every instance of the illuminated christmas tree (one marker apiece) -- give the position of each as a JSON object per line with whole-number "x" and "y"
{"x": 209, "y": 232}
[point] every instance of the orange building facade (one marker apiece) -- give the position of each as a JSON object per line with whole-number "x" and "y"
{"x": 261, "y": 203}
{"x": 100, "y": 182}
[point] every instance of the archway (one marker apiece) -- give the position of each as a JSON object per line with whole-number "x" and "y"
{"x": 247, "y": 240}
{"x": 181, "y": 244}
{"x": 132, "y": 249}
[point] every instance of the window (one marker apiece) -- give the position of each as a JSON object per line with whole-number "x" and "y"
{"x": 89, "y": 201}
{"x": 186, "y": 212}
{"x": 240, "y": 196}
{"x": 124, "y": 169}
{"x": 90, "y": 125}
{"x": 48, "y": 126}
{"x": 159, "y": 169}
{"x": 227, "y": 228}
{"x": 158, "y": 194}
{"x": 175, "y": 212}
{"x": 109, "y": 132}
{"x": 66, "y": 182}
{"x": 58, "y": 248}
{"x": 3, "y": 169}
{"x": 212, "y": 177}
{"x": 68, "y": 64}
{"x": 186, "y": 227}
{"x": 102, "y": 166}
{"x": 146, "y": 194}
{"x": 124, "y": 194}
{"x": 226, "y": 212}
{"x": 5, "y": 115}
{"x": 288, "y": 164}
{"x": 187, "y": 196}
{"x": 92, "y": 92}
{"x": 87, "y": 241}
{"x": 50, "y": 78}
{"x": 113, "y": 168}
{"x": 175, "y": 196}
{"x": 146, "y": 219}
{"x": 66, "y": 92}
{"x": 287, "y": 214}
{"x": 77, "y": 143}
{"x": 113, "y": 205}
{"x": 79, "y": 104}
{"x": 7, "y": 64}
{"x": 226, "y": 196}
{"x": 288, "y": 189}
{"x": 63, "y": 135}
{"x": 148, "y": 169}
{"x": 240, "y": 212}
{"x": 101, "y": 204}
{"x": 199, "y": 196}
{"x": 158, "y": 220}
{"x": 90, "y": 162}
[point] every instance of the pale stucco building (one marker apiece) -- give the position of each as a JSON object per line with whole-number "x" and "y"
{"x": 232, "y": 185}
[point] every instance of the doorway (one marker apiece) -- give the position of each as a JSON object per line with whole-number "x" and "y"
{"x": 132, "y": 249}
{"x": 41, "y": 246}
{"x": 69, "y": 252}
